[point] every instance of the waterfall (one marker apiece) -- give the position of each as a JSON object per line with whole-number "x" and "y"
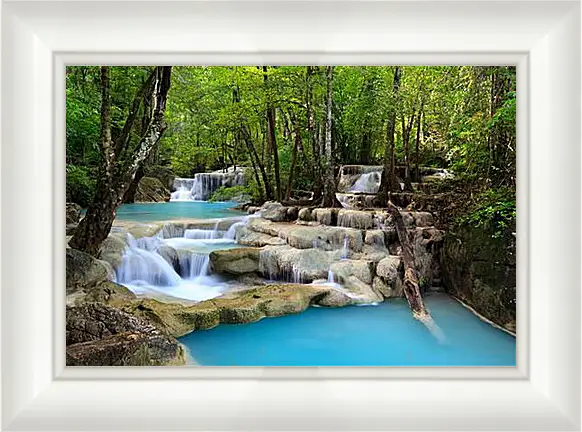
{"x": 193, "y": 265}
{"x": 367, "y": 182}
{"x": 203, "y": 185}
{"x": 345, "y": 248}
{"x": 142, "y": 263}
{"x": 330, "y": 277}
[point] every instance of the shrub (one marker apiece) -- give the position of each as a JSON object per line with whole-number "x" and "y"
{"x": 80, "y": 185}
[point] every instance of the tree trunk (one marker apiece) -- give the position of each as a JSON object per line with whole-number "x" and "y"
{"x": 296, "y": 146}
{"x": 411, "y": 288}
{"x": 388, "y": 183}
{"x": 253, "y": 152}
{"x": 406, "y": 130}
{"x": 329, "y": 198}
{"x": 315, "y": 151}
{"x": 272, "y": 140}
{"x": 417, "y": 143}
{"x": 113, "y": 181}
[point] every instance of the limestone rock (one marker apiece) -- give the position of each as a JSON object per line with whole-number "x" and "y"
{"x": 360, "y": 269}
{"x": 248, "y": 237}
{"x": 325, "y": 216}
{"x": 382, "y": 287}
{"x": 274, "y": 211}
{"x": 235, "y": 261}
{"x": 102, "y": 335}
{"x": 151, "y": 189}
{"x": 113, "y": 248}
{"x": 355, "y": 219}
{"x": 84, "y": 271}
{"x": 375, "y": 238}
{"x": 304, "y": 214}
{"x": 389, "y": 269}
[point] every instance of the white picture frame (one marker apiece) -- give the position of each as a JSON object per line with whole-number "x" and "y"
{"x": 39, "y": 38}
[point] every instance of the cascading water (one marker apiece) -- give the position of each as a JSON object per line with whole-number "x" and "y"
{"x": 174, "y": 266}
{"x": 367, "y": 182}
{"x": 345, "y": 248}
{"x": 203, "y": 185}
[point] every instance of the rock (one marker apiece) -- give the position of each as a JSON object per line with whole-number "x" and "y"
{"x": 253, "y": 209}
{"x": 274, "y": 211}
{"x": 292, "y": 213}
{"x": 235, "y": 261}
{"x": 325, "y": 216}
{"x": 478, "y": 266}
{"x": 360, "y": 269}
{"x": 375, "y": 238}
{"x": 304, "y": 214}
{"x": 232, "y": 308}
{"x": 355, "y": 219}
{"x": 84, "y": 271}
{"x": 382, "y": 287}
{"x": 389, "y": 269}
{"x": 73, "y": 213}
{"x": 151, "y": 189}
{"x": 101, "y": 335}
{"x": 297, "y": 265}
{"x": 164, "y": 174}
{"x": 247, "y": 237}
{"x": 171, "y": 255}
{"x": 113, "y": 248}
{"x": 423, "y": 219}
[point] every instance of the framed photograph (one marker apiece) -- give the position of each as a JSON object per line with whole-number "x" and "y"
{"x": 329, "y": 215}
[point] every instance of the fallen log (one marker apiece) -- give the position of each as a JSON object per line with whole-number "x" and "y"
{"x": 411, "y": 288}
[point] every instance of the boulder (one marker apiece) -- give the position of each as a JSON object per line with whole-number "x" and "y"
{"x": 113, "y": 248}
{"x": 73, "y": 213}
{"x": 423, "y": 219}
{"x": 247, "y": 237}
{"x": 355, "y": 219}
{"x": 360, "y": 269}
{"x": 84, "y": 271}
{"x": 101, "y": 335}
{"x": 389, "y": 269}
{"x": 375, "y": 238}
{"x": 235, "y": 261}
{"x": 304, "y": 214}
{"x": 296, "y": 265}
{"x": 382, "y": 287}
{"x": 253, "y": 209}
{"x": 151, "y": 189}
{"x": 164, "y": 174}
{"x": 325, "y": 216}
{"x": 274, "y": 211}
{"x": 292, "y": 213}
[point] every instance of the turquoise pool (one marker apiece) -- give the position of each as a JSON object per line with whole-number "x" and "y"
{"x": 382, "y": 335}
{"x": 149, "y": 212}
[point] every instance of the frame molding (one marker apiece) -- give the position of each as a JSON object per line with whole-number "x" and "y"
{"x": 40, "y": 37}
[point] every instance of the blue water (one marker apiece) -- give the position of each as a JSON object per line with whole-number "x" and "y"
{"x": 383, "y": 335}
{"x": 150, "y": 212}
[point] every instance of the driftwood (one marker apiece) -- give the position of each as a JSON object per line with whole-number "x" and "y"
{"x": 411, "y": 288}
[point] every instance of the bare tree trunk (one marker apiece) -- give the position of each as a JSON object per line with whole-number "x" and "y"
{"x": 388, "y": 183}
{"x": 298, "y": 144}
{"x": 253, "y": 152}
{"x": 417, "y": 143}
{"x": 411, "y": 288}
{"x": 406, "y": 130}
{"x": 315, "y": 148}
{"x": 117, "y": 174}
{"x": 272, "y": 140}
{"x": 329, "y": 198}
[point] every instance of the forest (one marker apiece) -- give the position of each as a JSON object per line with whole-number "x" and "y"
{"x": 274, "y": 119}
{"x": 288, "y": 187}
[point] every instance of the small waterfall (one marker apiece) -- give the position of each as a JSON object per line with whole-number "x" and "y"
{"x": 142, "y": 263}
{"x": 331, "y": 277}
{"x": 194, "y": 265}
{"x": 367, "y": 182}
{"x": 203, "y": 185}
{"x": 345, "y": 248}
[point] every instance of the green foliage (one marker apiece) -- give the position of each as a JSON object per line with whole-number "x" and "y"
{"x": 80, "y": 185}
{"x": 233, "y": 193}
{"x": 494, "y": 209}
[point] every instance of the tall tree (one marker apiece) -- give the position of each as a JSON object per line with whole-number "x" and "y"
{"x": 389, "y": 183}
{"x": 329, "y": 198}
{"x": 119, "y": 160}
{"x": 271, "y": 137}
{"x": 313, "y": 135}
